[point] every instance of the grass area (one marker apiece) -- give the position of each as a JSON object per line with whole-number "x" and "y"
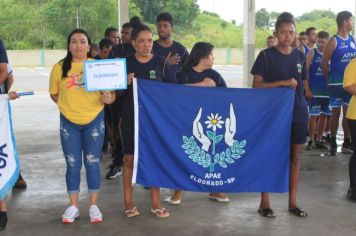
{"x": 210, "y": 29}
{"x": 223, "y": 34}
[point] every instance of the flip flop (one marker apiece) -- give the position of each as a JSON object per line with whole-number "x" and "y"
{"x": 173, "y": 202}
{"x": 132, "y": 212}
{"x": 298, "y": 212}
{"x": 219, "y": 199}
{"x": 266, "y": 212}
{"x": 160, "y": 212}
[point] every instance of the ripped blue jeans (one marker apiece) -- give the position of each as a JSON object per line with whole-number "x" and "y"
{"x": 82, "y": 142}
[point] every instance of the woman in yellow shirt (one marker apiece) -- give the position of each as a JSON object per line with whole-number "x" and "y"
{"x": 350, "y": 87}
{"x": 81, "y": 123}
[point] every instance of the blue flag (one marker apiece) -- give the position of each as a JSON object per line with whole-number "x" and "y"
{"x": 212, "y": 139}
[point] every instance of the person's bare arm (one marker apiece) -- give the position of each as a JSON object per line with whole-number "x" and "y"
{"x": 308, "y": 62}
{"x": 329, "y": 49}
{"x": 3, "y": 72}
{"x": 54, "y": 97}
{"x": 351, "y": 89}
{"x": 10, "y": 81}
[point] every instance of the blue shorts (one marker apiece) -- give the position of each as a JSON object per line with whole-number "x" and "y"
{"x": 299, "y": 133}
{"x": 338, "y": 96}
{"x": 318, "y": 105}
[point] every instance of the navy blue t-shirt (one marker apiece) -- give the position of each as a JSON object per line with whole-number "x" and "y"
{"x": 157, "y": 69}
{"x": 191, "y": 76}
{"x": 3, "y": 59}
{"x": 274, "y": 66}
{"x": 175, "y": 48}
{"x": 3, "y": 55}
{"x": 123, "y": 50}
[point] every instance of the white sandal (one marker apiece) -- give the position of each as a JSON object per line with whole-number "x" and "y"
{"x": 160, "y": 212}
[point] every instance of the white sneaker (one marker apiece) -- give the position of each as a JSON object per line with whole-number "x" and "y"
{"x": 70, "y": 215}
{"x": 95, "y": 214}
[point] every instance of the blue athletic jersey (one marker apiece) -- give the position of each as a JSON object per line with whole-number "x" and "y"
{"x": 317, "y": 82}
{"x": 175, "y": 48}
{"x": 190, "y": 76}
{"x": 306, "y": 49}
{"x": 274, "y": 66}
{"x": 344, "y": 52}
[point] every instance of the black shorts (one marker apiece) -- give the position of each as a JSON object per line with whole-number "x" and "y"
{"x": 299, "y": 133}
{"x": 127, "y": 128}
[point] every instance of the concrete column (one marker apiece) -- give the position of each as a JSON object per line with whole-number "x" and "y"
{"x": 123, "y": 12}
{"x": 248, "y": 41}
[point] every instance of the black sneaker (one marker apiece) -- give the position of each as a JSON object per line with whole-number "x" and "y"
{"x": 309, "y": 145}
{"x": 20, "y": 183}
{"x": 351, "y": 195}
{"x": 3, "y": 220}
{"x": 320, "y": 145}
{"x": 113, "y": 172}
{"x": 333, "y": 148}
{"x": 328, "y": 139}
{"x": 346, "y": 148}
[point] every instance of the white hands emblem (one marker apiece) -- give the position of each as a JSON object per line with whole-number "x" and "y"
{"x": 230, "y": 129}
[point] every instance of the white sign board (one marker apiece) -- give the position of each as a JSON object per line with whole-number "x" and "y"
{"x": 104, "y": 75}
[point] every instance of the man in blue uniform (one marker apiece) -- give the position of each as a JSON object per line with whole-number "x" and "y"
{"x": 319, "y": 94}
{"x": 311, "y": 34}
{"x": 338, "y": 52}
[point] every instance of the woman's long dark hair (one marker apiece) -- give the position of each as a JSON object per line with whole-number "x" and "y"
{"x": 199, "y": 51}
{"x": 67, "y": 60}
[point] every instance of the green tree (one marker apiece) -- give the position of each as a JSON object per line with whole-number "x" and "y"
{"x": 262, "y": 18}
{"x": 17, "y": 20}
{"x": 150, "y": 8}
{"x": 273, "y": 15}
{"x": 134, "y": 10}
{"x": 188, "y": 11}
{"x": 93, "y": 16}
{"x": 183, "y": 11}
{"x": 317, "y": 15}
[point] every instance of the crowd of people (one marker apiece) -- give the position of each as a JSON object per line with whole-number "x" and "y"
{"x": 92, "y": 123}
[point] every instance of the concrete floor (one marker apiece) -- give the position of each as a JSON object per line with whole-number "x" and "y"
{"x": 38, "y": 210}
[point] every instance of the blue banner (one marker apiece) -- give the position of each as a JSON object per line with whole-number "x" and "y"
{"x": 212, "y": 139}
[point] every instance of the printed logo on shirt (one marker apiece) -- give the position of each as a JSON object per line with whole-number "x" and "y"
{"x": 352, "y": 45}
{"x": 153, "y": 74}
{"x": 347, "y": 57}
{"x": 299, "y": 68}
{"x": 75, "y": 81}
{"x": 319, "y": 71}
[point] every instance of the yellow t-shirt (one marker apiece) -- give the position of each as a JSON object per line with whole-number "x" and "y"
{"x": 76, "y": 104}
{"x": 350, "y": 79}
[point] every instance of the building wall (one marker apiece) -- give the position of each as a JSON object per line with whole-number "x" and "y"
{"x": 47, "y": 58}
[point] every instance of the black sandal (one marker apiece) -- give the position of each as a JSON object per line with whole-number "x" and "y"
{"x": 266, "y": 212}
{"x": 298, "y": 212}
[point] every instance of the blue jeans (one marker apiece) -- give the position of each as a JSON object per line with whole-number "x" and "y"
{"x": 82, "y": 142}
